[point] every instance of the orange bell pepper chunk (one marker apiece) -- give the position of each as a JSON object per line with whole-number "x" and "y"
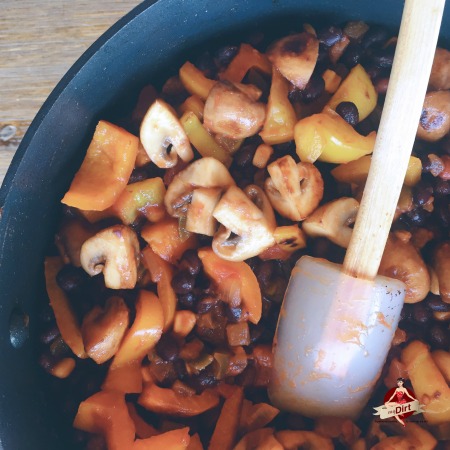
{"x": 66, "y": 319}
{"x": 105, "y": 170}
{"x": 246, "y": 58}
{"x": 143, "y": 429}
{"x": 106, "y": 413}
{"x": 145, "y": 331}
{"x": 161, "y": 273}
{"x": 167, "y": 401}
{"x": 257, "y": 416}
{"x": 165, "y": 240}
{"x": 229, "y": 274}
{"x": 295, "y": 439}
{"x": 280, "y": 118}
{"x": 126, "y": 378}
{"x": 259, "y": 439}
{"x": 195, "y": 443}
{"x": 172, "y": 440}
{"x": 227, "y": 425}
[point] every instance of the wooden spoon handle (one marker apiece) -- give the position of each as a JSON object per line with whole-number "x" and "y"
{"x": 411, "y": 69}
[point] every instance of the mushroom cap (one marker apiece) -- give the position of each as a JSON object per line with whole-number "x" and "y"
{"x": 244, "y": 232}
{"x": 163, "y": 136}
{"x": 206, "y": 172}
{"x": 115, "y": 252}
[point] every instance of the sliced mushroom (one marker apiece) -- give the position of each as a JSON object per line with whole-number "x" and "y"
{"x": 441, "y": 266}
{"x": 232, "y": 112}
{"x": 294, "y": 190}
{"x": 259, "y": 198}
{"x": 199, "y": 218}
{"x": 115, "y": 252}
{"x": 70, "y": 237}
{"x": 104, "y": 328}
{"x": 440, "y": 73}
{"x": 295, "y": 57}
{"x": 403, "y": 262}
{"x": 163, "y": 137}
{"x": 205, "y": 172}
{"x": 244, "y": 232}
{"x": 435, "y": 119}
{"x": 333, "y": 221}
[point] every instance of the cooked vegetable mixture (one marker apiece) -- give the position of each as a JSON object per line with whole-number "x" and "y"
{"x": 181, "y": 228}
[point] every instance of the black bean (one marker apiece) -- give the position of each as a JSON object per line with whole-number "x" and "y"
{"x": 439, "y": 336}
{"x": 352, "y": 55}
{"x": 383, "y": 57}
{"x": 59, "y": 348}
{"x": 436, "y": 304}
{"x": 180, "y": 368}
{"x": 244, "y": 156}
{"x": 183, "y": 282}
{"x": 341, "y": 70}
{"x": 442, "y": 210}
{"x": 264, "y": 273}
{"x": 191, "y": 262}
{"x": 375, "y": 35}
{"x": 417, "y": 216}
{"x": 70, "y": 278}
{"x": 47, "y": 361}
{"x": 138, "y": 174}
{"x": 203, "y": 380}
{"x": 188, "y": 300}
{"x": 167, "y": 347}
{"x": 233, "y": 314}
{"x": 206, "y": 64}
{"x": 407, "y": 312}
{"x": 349, "y": 112}
{"x": 256, "y": 332}
{"x": 295, "y": 95}
{"x": 205, "y": 305}
{"x": 323, "y": 56}
{"x": 441, "y": 187}
{"x": 422, "y": 193}
{"x": 373, "y": 71}
{"x": 421, "y": 313}
{"x": 224, "y": 55}
{"x": 329, "y": 36}
{"x": 49, "y": 335}
{"x": 313, "y": 89}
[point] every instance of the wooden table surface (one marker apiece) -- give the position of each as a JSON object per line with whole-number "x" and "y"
{"x": 39, "y": 41}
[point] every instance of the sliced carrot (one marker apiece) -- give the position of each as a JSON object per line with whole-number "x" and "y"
{"x": 172, "y": 440}
{"x": 262, "y": 439}
{"x": 105, "y": 170}
{"x": 66, "y": 320}
{"x": 227, "y": 425}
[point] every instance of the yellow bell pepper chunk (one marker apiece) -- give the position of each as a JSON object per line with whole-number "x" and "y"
{"x": 194, "y": 81}
{"x": 332, "y": 81}
{"x": 428, "y": 383}
{"x": 357, "y": 171}
{"x": 328, "y": 137}
{"x": 280, "y": 118}
{"x": 357, "y": 88}
{"x": 195, "y": 104}
{"x": 200, "y": 138}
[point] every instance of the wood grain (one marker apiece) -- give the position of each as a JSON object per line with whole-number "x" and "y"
{"x": 39, "y": 41}
{"x": 395, "y": 138}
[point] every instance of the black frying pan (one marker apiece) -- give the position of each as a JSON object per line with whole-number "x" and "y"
{"x": 139, "y": 48}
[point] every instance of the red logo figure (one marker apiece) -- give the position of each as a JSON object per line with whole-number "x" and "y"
{"x": 399, "y": 403}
